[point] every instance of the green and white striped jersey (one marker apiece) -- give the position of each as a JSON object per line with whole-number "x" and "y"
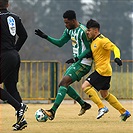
{"x": 80, "y": 42}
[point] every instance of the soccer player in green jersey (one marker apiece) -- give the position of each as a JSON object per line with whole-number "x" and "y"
{"x": 81, "y": 65}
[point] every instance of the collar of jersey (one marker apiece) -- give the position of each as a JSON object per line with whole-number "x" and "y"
{"x": 97, "y": 36}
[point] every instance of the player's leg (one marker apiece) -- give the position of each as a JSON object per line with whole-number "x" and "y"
{"x": 11, "y": 80}
{"x": 113, "y": 101}
{"x": 76, "y": 74}
{"x": 69, "y": 77}
{"x": 19, "y": 107}
{"x": 93, "y": 80}
{"x": 5, "y": 96}
{"x": 90, "y": 91}
{"x": 59, "y": 97}
{"x": 11, "y": 87}
{"x": 73, "y": 94}
{"x": 102, "y": 109}
{"x": 10, "y": 68}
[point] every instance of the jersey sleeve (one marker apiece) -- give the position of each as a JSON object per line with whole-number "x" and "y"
{"x": 108, "y": 45}
{"x": 61, "y": 41}
{"x": 116, "y": 51}
{"x": 22, "y": 35}
{"x": 87, "y": 43}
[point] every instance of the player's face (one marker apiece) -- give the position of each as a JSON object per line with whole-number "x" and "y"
{"x": 69, "y": 24}
{"x": 91, "y": 33}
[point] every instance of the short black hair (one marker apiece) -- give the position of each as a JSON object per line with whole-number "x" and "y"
{"x": 3, "y": 3}
{"x": 69, "y": 14}
{"x": 92, "y": 24}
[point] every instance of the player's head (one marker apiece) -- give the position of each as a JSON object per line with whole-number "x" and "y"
{"x": 3, "y": 4}
{"x": 69, "y": 14}
{"x": 92, "y": 24}
{"x": 93, "y": 28}
{"x": 69, "y": 19}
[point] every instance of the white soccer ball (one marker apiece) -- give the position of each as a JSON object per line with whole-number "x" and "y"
{"x": 41, "y": 116}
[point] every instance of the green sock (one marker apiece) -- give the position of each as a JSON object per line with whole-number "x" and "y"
{"x": 59, "y": 98}
{"x": 73, "y": 94}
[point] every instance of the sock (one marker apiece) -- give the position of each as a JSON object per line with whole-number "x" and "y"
{"x": 73, "y": 94}
{"x": 59, "y": 98}
{"x": 5, "y": 96}
{"x": 94, "y": 96}
{"x": 115, "y": 103}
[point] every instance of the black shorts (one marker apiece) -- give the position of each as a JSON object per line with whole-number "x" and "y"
{"x": 9, "y": 65}
{"x": 99, "y": 82}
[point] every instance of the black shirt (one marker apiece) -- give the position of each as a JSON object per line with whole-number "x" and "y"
{"x": 10, "y": 26}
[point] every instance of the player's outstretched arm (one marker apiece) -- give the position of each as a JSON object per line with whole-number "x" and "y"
{"x": 58, "y": 42}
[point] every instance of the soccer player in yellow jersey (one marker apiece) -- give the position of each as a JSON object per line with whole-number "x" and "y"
{"x": 101, "y": 48}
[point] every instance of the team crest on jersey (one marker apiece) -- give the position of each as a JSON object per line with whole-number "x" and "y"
{"x": 95, "y": 45}
{"x": 12, "y": 25}
{"x": 73, "y": 41}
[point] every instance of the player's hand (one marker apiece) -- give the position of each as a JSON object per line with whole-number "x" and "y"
{"x": 89, "y": 55}
{"x": 41, "y": 34}
{"x": 118, "y": 61}
{"x": 72, "y": 60}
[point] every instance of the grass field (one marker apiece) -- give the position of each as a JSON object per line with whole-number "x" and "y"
{"x": 67, "y": 120}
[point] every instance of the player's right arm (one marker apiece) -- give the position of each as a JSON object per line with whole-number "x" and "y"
{"x": 58, "y": 42}
{"x": 61, "y": 41}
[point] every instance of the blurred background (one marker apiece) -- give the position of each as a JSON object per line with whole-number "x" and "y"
{"x": 115, "y": 17}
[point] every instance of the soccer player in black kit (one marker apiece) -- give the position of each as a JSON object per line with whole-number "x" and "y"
{"x": 10, "y": 26}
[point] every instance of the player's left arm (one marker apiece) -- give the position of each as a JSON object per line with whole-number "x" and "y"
{"x": 111, "y": 46}
{"x": 116, "y": 51}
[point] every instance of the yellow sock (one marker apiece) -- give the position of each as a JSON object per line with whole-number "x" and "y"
{"x": 115, "y": 103}
{"x": 94, "y": 96}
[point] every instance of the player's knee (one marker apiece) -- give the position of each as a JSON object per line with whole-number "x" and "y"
{"x": 85, "y": 85}
{"x": 63, "y": 83}
{"x": 66, "y": 81}
{"x": 104, "y": 93}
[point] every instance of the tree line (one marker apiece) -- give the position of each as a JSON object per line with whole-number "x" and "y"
{"x": 115, "y": 17}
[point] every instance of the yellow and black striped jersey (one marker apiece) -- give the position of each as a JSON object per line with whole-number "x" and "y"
{"x": 101, "y": 48}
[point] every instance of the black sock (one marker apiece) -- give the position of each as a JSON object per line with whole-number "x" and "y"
{"x": 5, "y": 96}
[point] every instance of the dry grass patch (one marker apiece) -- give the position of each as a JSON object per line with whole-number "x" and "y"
{"x": 67, "y": 120}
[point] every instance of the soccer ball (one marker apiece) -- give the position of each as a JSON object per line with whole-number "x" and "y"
{"x": 41, "y": 116}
